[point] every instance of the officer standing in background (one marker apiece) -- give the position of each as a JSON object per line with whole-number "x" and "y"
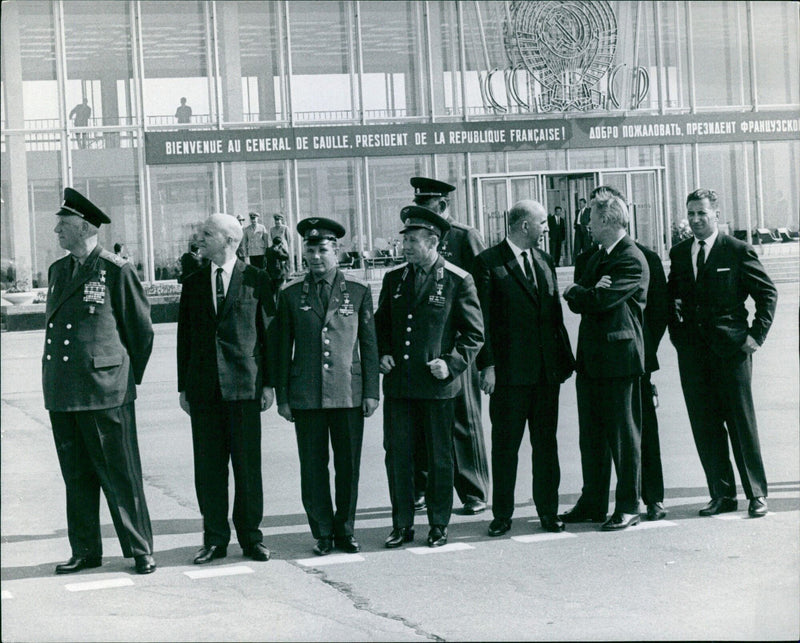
{"x": 327, "y": 380}
{"x": 460, "y": 245}
{"x": 430, "y": 329}
{"x": 255, "y": 241}
{"x": 97, "y": 343}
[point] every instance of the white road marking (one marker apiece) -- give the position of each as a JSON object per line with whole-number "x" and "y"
{"x": 532, "y": 538}
{"x": 233, "y": 570}
{"x": 742, "y": 515}
{"x": 6, "y": 594}
{"x": 652, "y": 524}
{"x": 421, "y": 551}
{"x": 332, "y": 559}
{"x": 99, "y": 584}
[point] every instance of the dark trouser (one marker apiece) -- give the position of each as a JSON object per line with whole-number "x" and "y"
{"x": 257, "y": 261}
{"x": 223, "y": 432}
{"x": 402, "y": 418}
{"x": 471, "y": 469}
{"x": 609, "y": 416}
{"x": 510, "y": 407}
{"x": 346, "y": 429}
{"x": 100, "y": 449}
{"x": 652, "y": 475}
{"x": 718, "y": 397}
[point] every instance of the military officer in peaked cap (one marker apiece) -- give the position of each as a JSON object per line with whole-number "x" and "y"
{"x": 97, "y": 343}
{"x": 327, "y": 380}
{"x": 430, "y": 329}
{"x": 460, "y": 246}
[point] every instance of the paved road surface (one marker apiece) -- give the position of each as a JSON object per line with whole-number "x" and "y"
{"x": 682, "y": 578}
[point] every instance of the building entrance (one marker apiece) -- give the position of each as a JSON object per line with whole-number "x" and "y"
{"x": 642, "y": 188}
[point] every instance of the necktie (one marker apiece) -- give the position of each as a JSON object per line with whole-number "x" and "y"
{"x": 701, "y": 257}
{"x": 324, "y": 291}
{"x": 528, "y": 269}
{"x": 76, "y": 266}
{"x": 220, "y": 292}
{"x": 419, "y": 280}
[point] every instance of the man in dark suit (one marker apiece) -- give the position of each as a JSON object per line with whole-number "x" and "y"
{"x": 655, "y": 324}
{"x": 583, "y": 240}
{"x": 225, "y": 384}
{"x": 430, "y": 328}
{"x": 98, "y": 340}
{"x": 459, "y": 245}
{"x": 327, "y": 380}
{"x": 525, "y": 357}
{"x": 557, "y": 233}
{"x": 710, "y": 278}
{"x": 610, "y": 298}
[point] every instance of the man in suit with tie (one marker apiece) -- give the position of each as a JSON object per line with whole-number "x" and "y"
{"x": 525, "y": 357}
{"x": 429, "y": 328}
{"x": 459, "y": 245}
{"x": 710, "y": 278}
{"x": 327, "y": 380}
{"x": 610, "y": 298}
{"x": 98, "y": 340}
{"x": 556, "y": 230}
{"x": 583, "y": 240}
{"x": 655, "y": 324}
{"x": 225, "y": 384}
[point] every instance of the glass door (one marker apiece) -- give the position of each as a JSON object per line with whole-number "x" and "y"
{"x": 641, "y": 190}
{"x": 495, "y": 198}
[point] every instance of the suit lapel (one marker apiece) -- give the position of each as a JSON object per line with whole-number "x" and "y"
{"x": 233, "y": 288}
{"x": 512, "y": 266}
{"x": 543, "y": 276}
{"x": 70, "y": 285}
{"x": 712, "y": 258}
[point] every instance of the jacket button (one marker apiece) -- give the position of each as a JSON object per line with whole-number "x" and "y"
{"x": 66, "y": 358}
{"x": 49, "y": 341}
{"x": 327, "y": 353}
{"x": 327, "y": 341}
{"x": 66, "y": 342}
{"x": 405, "y": 356}
{"x": 324, "y": 329}
{"x": 408, "y": 329}
{"x": 50, "y": 325}
{"x": 69, "y": 326}
{"x": 408, "y": 343}
{"x": 410, "y": 316}
{"x": 326, "y": 366}
{"x": 48, "y": 357}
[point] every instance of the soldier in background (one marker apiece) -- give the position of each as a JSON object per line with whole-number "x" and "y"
{"x": 97, "y": 343}
{"x": 460, "y": 245}
{"x": 327, "y": 380}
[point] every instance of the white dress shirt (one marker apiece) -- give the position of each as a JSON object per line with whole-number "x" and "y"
{"x": 696, "y": 250}
{"x": 227, "y": 271}
{"x": 518, "y": 256}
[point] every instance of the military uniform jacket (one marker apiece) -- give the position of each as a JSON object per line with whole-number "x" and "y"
{"x": 231, "y": 348}
{"x": 524, "y": 326}
{"x": 460, "y": 245}
{"x": 443, "y": 321}
{"x": 610, "y": 337}
{"x": 327, "y": 359}
{"x": 712, "y": 311}
{"x": 98, "y": 334}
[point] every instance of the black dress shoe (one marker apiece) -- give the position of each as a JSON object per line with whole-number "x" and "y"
{"x": 209, "y": 552}
{"x": 348, "y": 544}
{"x": 437, "y": 536}
{"x": 399, "y": 536}
{"x": 499, "y": 526}
{"x": 551, "y": 523}
{"x": 419, "y": 502}
{"x": 656, "y": 511}
{"x": 77, "y": 563}
{"x": 324, "y": 546}
{"x": 758, "y": 507}
{"x": 719, "y": 506}
{"x": 620, "y": 521}
{"x": 473, "y": 506}
{"x": 578, "y": 514}
{"x": 256, "y": 551}
{"x": 144, "y": 564}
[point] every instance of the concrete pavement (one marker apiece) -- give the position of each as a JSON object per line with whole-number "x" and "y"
{"x": 684, "y": 578}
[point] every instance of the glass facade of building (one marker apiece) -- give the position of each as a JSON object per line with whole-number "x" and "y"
{"x": 84, "y": 82}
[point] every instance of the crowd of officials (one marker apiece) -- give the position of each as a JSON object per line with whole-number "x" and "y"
{"x": 455, "y": 320}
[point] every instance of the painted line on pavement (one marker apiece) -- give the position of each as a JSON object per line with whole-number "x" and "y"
{"x": 6, "y": 594}
{"x": 234, "y": 570}
{"x": 332, "y": 559}
{"x": 532, "y": 538}
{"x": 651, "y": 524}
{"x": 422, "y": 551}
{"x": 739, "y": 516}
{"x": 98, "y": 584}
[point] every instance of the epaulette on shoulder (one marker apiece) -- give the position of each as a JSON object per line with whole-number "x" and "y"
{"x": 455, "y": 269}
{"x": 401, "y": 266}
{"x": 110, "y": 256}
{"x": 459, "y": 226}
{"x": 293, "y": 282}
{"x": 355, "y": 280}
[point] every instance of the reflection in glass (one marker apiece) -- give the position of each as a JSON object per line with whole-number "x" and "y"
{"x": 776, "y": 34}
{"x": 327, "y": 188}
{"x": 724, "y": 168}
{"x": 182, "y": 197}
{"x": 780, "y": 179}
